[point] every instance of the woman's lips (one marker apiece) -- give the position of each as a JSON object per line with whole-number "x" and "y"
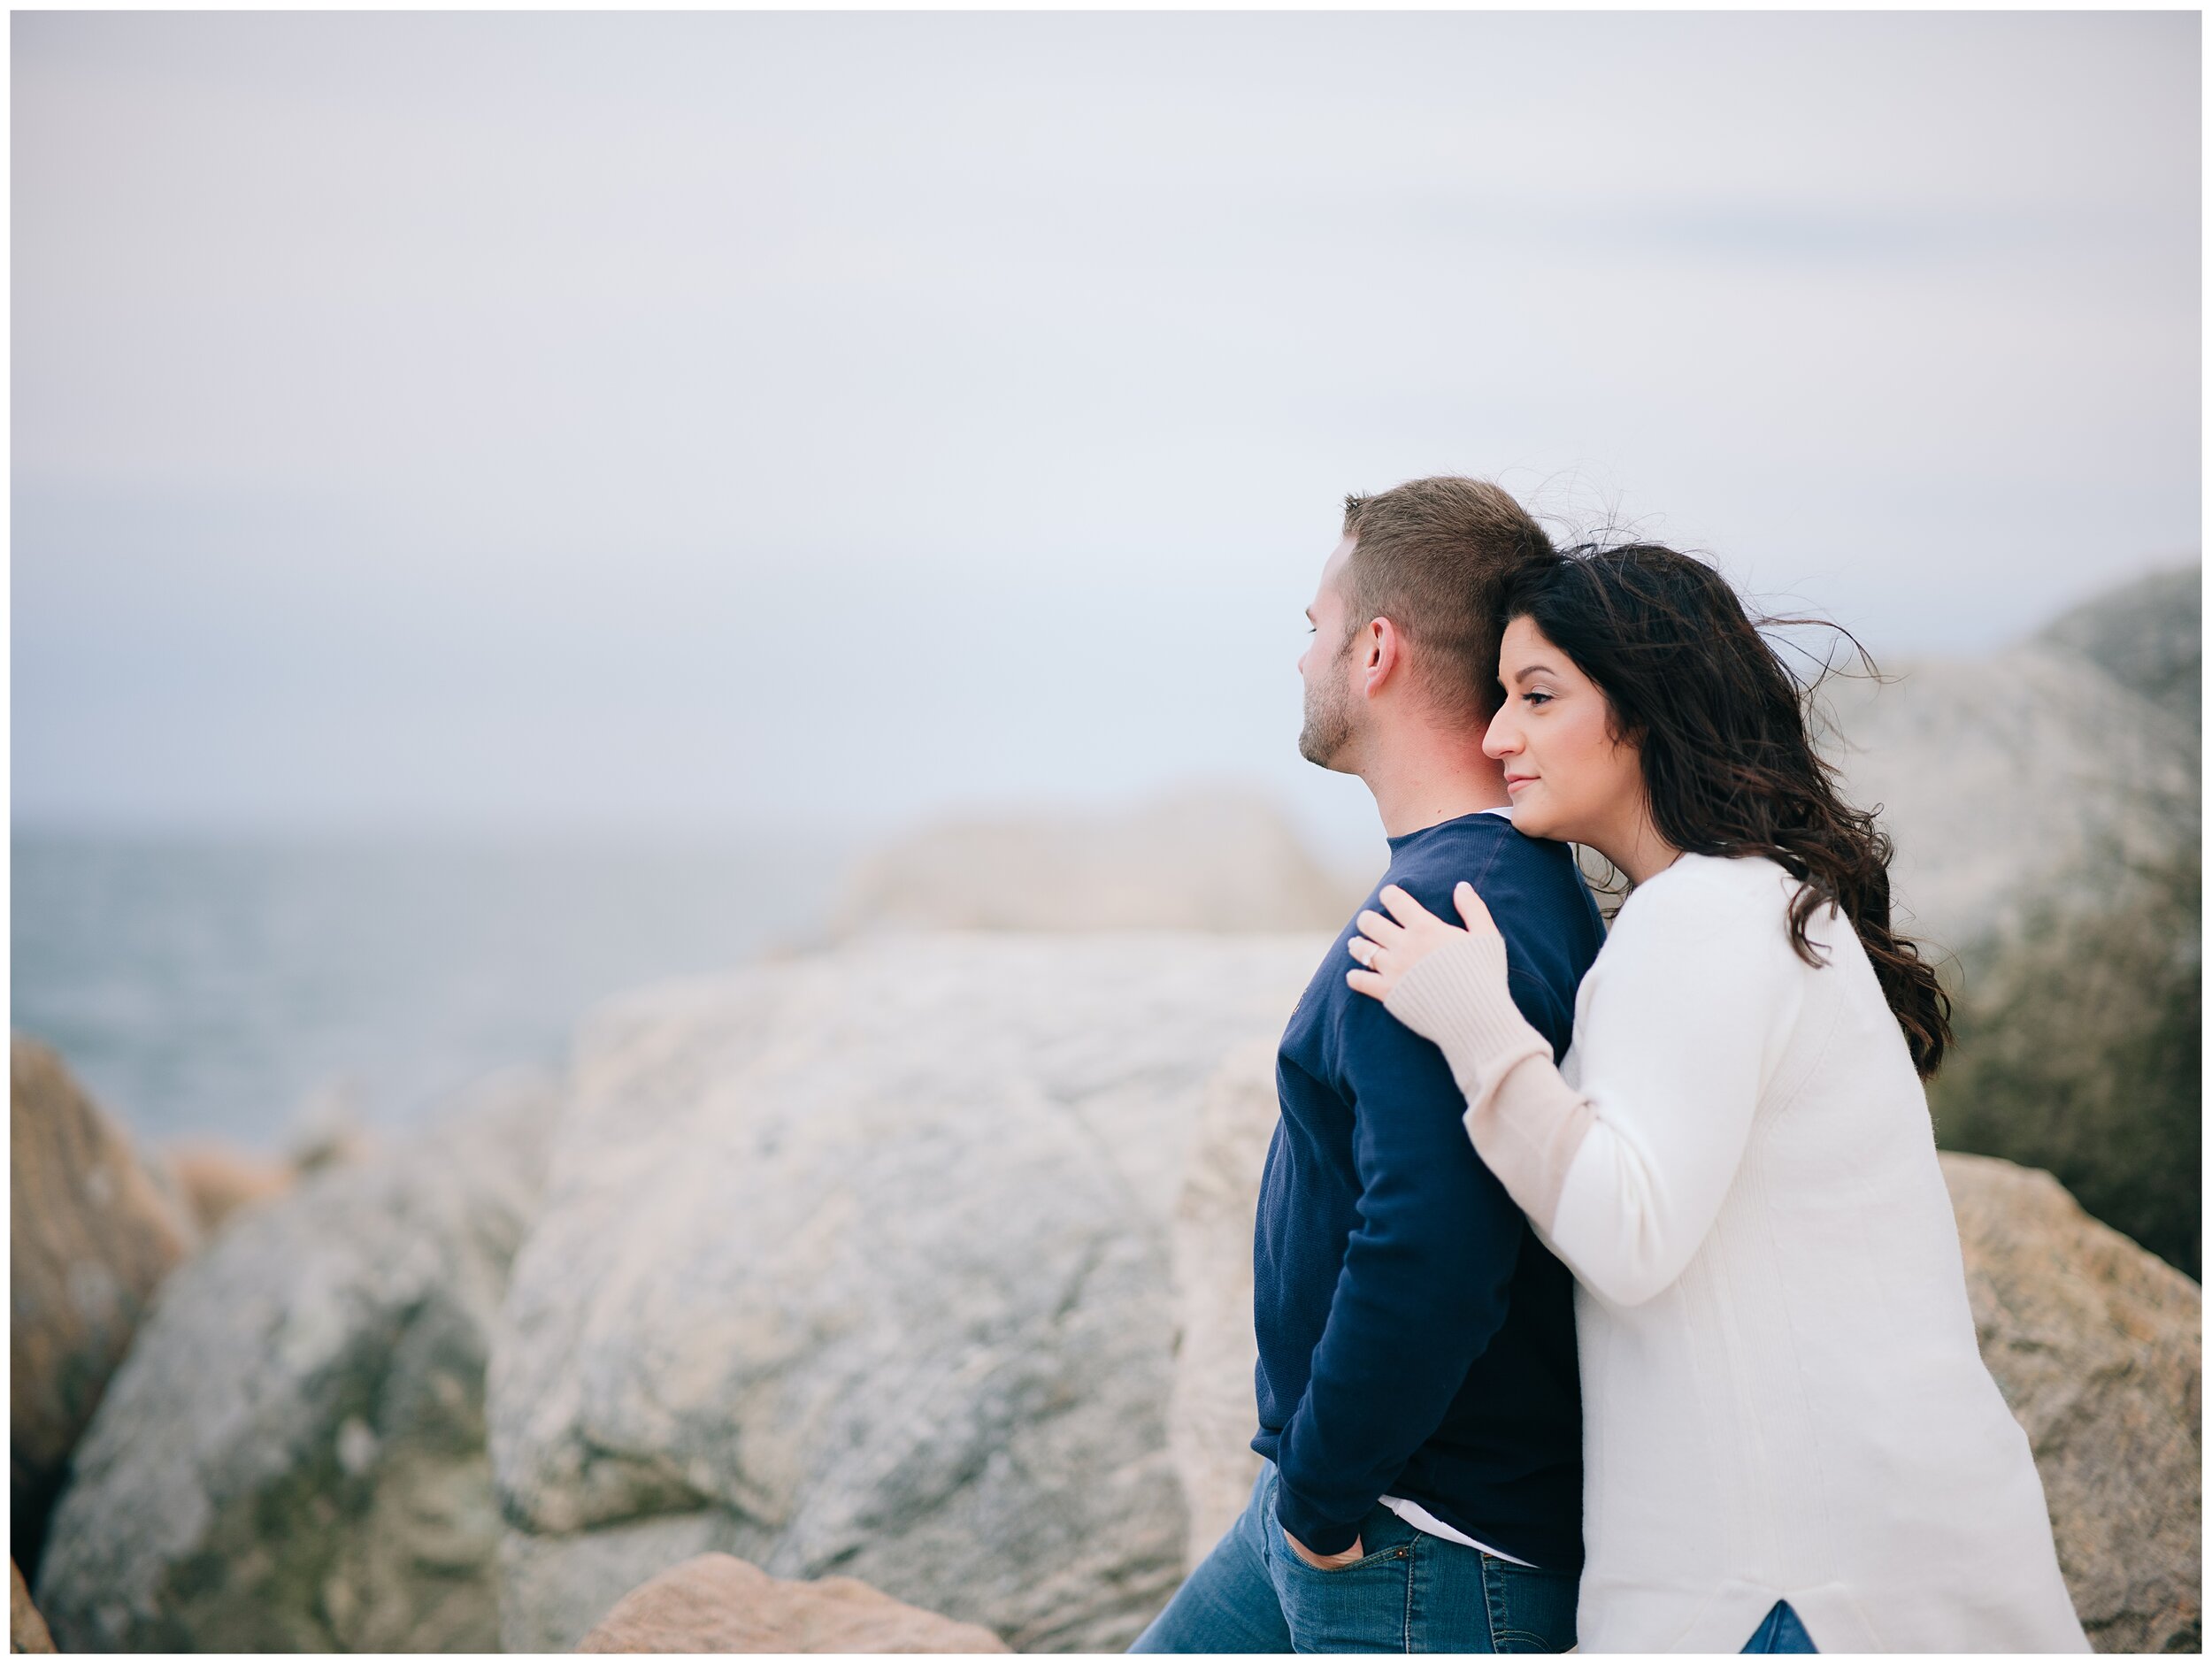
{"x": 1512, "y": 780}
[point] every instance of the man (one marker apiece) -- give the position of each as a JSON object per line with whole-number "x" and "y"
{"x": 1419, "y": 1409}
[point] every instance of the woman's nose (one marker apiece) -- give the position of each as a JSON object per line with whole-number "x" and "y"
{"x": 1500, "y": 739}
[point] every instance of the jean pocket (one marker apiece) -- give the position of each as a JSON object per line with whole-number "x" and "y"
{"x": 1531, "y": 1610}
{"x": 1366, "y": 1606}
{"x": 1373, "y": 1557}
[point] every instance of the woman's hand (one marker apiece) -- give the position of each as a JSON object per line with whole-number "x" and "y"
{"x": 1388, "y": 947}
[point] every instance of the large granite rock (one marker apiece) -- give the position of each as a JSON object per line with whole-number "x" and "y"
{"x": 2010, "y": 782}
{"x": 2098, "y": 1347}
{"x": 1211, "y": 1411}
{"x": 2094, "y": 1342}
{"x": 292, "y": 1456}
{"x": 858, "y": 1264}
{"x": 2147, "y": 635}
{"x": 92, "y": 1231}
{"x": 717, "y": 1603}
{"x": 1204, "y": 859}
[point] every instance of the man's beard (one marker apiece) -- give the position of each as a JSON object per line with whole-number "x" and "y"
{"x": 1328, "y": 728}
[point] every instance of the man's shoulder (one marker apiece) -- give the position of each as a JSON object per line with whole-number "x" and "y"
{"x": 1516, "y": 874}
{"x": 1534, "y": 891}
{"x": 1536, "y": 896}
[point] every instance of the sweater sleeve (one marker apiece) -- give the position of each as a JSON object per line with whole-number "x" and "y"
{"x": 1687, "y": 1007}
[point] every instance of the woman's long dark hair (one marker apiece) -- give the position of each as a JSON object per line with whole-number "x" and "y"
{"x": 1728, "y": 759}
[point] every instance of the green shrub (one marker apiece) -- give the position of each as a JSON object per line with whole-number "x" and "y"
{"x": 2078, "y": 1052}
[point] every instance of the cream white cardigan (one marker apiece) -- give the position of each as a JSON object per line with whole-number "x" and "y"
{"x": 1782, "y": 1395}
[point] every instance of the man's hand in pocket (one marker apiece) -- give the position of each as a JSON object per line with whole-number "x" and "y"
{"x": 1323, "y": 1562}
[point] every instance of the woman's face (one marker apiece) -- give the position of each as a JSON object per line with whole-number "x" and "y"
{"x": 1568, "y": 778}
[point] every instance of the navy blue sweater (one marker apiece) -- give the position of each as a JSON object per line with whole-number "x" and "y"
{"x": 1416, "y": 1339}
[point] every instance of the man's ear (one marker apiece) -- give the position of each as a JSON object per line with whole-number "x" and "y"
{"x": 1384, "y": 648}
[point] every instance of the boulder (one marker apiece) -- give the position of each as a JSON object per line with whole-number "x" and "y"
{"x": 552, "y": 1590}
{"x": 217, "y": 1181}
{"x": 1211, "y": 1411}
{"x": 2097, "y": 1346}
{"x": 2019, "y": 780}
{"x": 1204, "y": 859}
{"x": 327, "y": 1129}
{"x": 717, "y": 1603}
{"x": 92, "y": 1234}
{"x": 2147, "y": 635}
{"x": 292, "y": 1456}
{"x": 858, "y": 1264}
{"x": 2094, "y": 1343}
{"x": 26, "y": 1630}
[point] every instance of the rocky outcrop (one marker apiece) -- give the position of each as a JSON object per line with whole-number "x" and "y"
{"x": 26, "y": 1630}
{"x": 1211, "y": 859}
{"x": 327, "y": 1130}
{"x": 2008, "y": 782}
{"x": 717, "y": 1603}
{"x": 2094, "y": 1342}
{"x": 1211, "y": 1413}
{"x": 217, "y": 1181}
{"x": 91, "y": 1233}
{"x": 2046, "y": 807}
{"x": 2097, "y": 1348}
{"x": 858, "y": 1264}
{"x": 2147, "y": 635}
{"x": 291, "y": 1458}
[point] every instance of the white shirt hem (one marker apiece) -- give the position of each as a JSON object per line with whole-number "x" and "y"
{"x": 1414, "y": 1514}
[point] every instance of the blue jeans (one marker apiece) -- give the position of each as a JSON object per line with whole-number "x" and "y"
{"x": 1409, "y": 1593}
{"x": 1781, "y": 1632}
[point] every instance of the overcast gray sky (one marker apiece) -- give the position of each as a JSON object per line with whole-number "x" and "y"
{"x": 571, "y": 420}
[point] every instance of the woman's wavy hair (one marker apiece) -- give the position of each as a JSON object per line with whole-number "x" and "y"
{"x": 1722, "y": 726}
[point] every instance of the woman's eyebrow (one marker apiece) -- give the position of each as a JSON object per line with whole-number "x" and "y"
{"x": 1527, "y": 670}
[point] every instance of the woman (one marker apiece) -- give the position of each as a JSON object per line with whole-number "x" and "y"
{"x": 1791, "y": 1441}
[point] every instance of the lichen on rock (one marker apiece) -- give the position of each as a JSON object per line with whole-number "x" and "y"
{"x": 291, "y": 1457}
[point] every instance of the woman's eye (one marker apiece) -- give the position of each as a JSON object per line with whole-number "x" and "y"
{"x": 1537, "y": 696}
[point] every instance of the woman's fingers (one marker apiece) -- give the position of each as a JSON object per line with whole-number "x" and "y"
{"x": 1374, "y": 926}
{"x": 1403, "y": 907}
{"x": 1472, "y": 910}
{"x": 1387, "y": 948}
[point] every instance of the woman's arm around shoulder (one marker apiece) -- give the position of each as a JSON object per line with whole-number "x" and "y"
{"x": 1684, "y": 1018}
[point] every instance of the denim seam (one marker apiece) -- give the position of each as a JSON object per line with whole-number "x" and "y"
{"x": 1405, "y": 1634}
{"x": 1490, "y": 1600}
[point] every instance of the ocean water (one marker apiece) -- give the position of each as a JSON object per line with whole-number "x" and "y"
{"x": 229, "y": 988}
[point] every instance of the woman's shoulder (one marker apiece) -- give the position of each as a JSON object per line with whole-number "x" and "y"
{"x": 1755, "y": 880}
{"x": 1711, "y": 897}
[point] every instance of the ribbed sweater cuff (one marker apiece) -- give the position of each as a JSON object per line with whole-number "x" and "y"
{"x": 1457, "y": 997}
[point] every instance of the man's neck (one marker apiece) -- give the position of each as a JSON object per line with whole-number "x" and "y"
{"x": 1424, "y": 786}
